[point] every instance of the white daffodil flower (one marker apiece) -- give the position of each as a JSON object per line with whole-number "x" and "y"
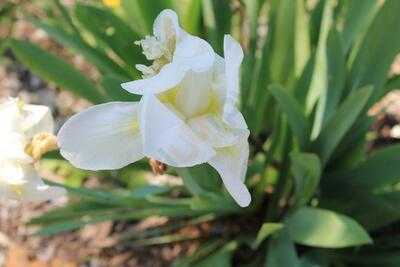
{"x": 187, "y": 115}
{"x": 18, "y": 177}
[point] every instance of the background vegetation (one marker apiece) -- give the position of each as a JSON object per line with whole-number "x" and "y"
{"x": 312, "y": 70}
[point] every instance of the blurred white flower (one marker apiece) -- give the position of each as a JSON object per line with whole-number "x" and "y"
{"x": 187, "y": 115}
{"x": 18, "y": 177}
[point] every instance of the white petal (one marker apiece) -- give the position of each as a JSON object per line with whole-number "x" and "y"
{"x": 231, "y": 164}
{"x": 12, "y": 147}
{"x": 215, "y": 131}
{"x": 169, "y": 76}
{"x": 103, "y": 137}
{"x": 35, "y": 190}
{"x": 37, "y": 119}
{"x": 29, "y": 188}
{"x": 233, "y": 58}
{"x": 166, "y": 25}
{"x": 168, "y": 139}
{"x": 192, "y": 53}
{"x": 11, "y": 172}
{"x": 10, "y": 115}
{"x": 193, "y": 96}
{"x": 195, "y": 53}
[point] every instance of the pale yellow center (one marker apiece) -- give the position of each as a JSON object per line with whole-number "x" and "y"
{"x": 211, "y": 105}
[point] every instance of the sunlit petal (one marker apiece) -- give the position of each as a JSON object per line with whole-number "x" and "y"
{"x": 166, "y": 26}
{"x": 168, "y": 139}
{"x": 231, "y": 164}
{"x": 169, "y": 76}
{"x": 105, "y": 136}
{"x": 215, "y": 131}
{"x": 194, "y": 95}
{"x": 37, "y": 119}
{"x": 233, "y": 58}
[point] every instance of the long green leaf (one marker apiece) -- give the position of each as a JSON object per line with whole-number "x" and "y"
{"x": 112, "y": 32}
{"x": 113, "y": 89}
{"x": 282, "y": 252}
{"x": 393, "y": 83}
{"x": 306, "y": 169}
{"x": 292, "y": 109}
{"x": 380, "y": 170}
{"x": 220, "y": 258}
{"x": 282, "y": 56}
{"x": 326, "y": 229}
{"x": 266, "y": 230}
{"x": 190, "y": 14}
{"x": 302, "y": 47}
{"x": 93, "y": 55}
{"x": 150, "y": 10}
{"x": 56, "y": 70}
{"x": 320, "y": 80}
{"x": 379, "y": 47}
{"x": 341, "y": 122}
{"x": 217, "y": 20}
{"x": 357, "y": 18}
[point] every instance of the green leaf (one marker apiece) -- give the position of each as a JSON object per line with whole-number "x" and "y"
{"x": 134, "y": 17}
{"x": 297, "y": 121}
{"x": 336, "y": 76}
{"x": 371, "y": 65}
{"x": 282, "y": 252}
{"x": 380, "y": 170}
{"x": 150, "y": 9}
{"x": 303, "y": 82}
{"x": 384, "y": 207}
{"x": 315, "y": 22}
{"x": 112, "y": 87}
{"x": 319, "y": 84}
{"x": 119, "y": 198}
{"x": 217, "y": 20}
{"x": 314, "y": 258}
{"x": 71, "y": 211}
{"x": 306, "y": 169}
{"x": 326, "y": 229}
{"x": 357, "y": 18}
{"x": 266, "y": 230}
{"x": 393, "y": 83}
{"x": 112, "y": 32}
{"x": 220, "y": 258}
{"x": 160, "y": 240}
{"x": 371, "y": 259}
{"x": 302, "y": 47}
{"x": 204, "y": 250}
{"x": 282, "y": 56}
{"x": 341, "y": 122}
{"x": 54, "y": 69}
{"x": 200, "y": 179}
{"x": 116, "y": 214}
{"x": 189, "y": 14}
{"x": 215, "y": 202}
{"x": 98, "y": 58}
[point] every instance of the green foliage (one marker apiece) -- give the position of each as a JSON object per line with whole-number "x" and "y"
{"x": 326, "y": 229}
{"x": 306, "y": 169}
{"x": 307, "y": 86}
{"x": 54, "y": 69}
